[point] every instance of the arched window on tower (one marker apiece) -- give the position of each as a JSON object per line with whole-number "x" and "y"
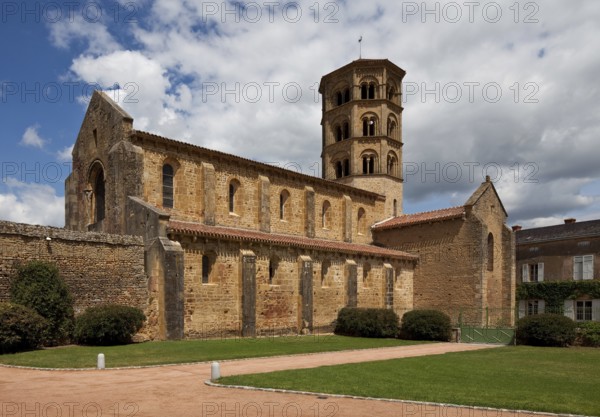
{"x": 339, "y": 169}
{"x": 392, "y": 164}
{"x": 339, "y": 133}
{"x": 371, "y": 91}
{"x": 346, "y": 167}
{"x": 167, "y": 185}
{"x": 346, "y": 130}
{"x": 369, "y": 160}
{"x": 339, "y": 98}
{"x": 395, "y": 208}
{"x": 369, "y": 126}
{"x": 391, "y": 128}
{"x": 364, "y": 91}
{"x": 347, "y": 95}
{"x": 391, "y": 93}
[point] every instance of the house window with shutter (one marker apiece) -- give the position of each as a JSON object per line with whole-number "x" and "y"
{"x": 533, "y": 272}
{"x": 583, "y": 310}
{"x": 583, "y": 267}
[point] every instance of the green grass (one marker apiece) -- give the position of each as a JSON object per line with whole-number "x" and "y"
{"x": 158, "y": 353}
{"x": 527, "y": 378}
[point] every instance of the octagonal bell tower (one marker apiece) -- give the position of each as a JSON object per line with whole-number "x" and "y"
{"x": 362, "y": 128}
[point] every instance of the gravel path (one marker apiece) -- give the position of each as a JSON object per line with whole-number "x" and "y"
{"x": 180, "y": 390}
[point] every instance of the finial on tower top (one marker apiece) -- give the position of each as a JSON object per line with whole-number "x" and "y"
{"x": 360, "y": 47}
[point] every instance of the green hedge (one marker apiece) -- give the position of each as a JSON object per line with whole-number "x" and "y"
{"x": 588, "y": 333}
{"x": 426, "y": 325}
{"x": 546, "y": 330}
{"x": 367, "y": 322}
{"x": 38, "y": 285}
{"x": 108, "y": 325}
{"x": 21, "y": 328}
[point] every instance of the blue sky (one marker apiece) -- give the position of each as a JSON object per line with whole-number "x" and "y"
{"x": 507, "y": 89}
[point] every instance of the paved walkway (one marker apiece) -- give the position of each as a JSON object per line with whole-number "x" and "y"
{"x": 180, "y": 391}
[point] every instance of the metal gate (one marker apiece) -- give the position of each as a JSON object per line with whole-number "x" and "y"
{"x": 486, "y": 326}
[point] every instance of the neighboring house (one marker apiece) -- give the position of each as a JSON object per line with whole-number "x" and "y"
{"x": 559, "y": 269}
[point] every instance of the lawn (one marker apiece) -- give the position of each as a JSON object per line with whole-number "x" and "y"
{"x": 526, "y": 378}
{"x": 158, "y": 353}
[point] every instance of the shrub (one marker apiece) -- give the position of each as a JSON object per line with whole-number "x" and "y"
{"x": 21, "y": 328}
{"x": 546, "y": 330}
{"x": 38, "y": 286}
{"x": 108, "y": 325}
{"x": 426, "y": 325}
{"x": 589, "y": 333}
{"x": 367, "y": 322}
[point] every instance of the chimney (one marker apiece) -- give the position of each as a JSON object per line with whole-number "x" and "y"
{"x": 570, "y": 220}
{"x": 516, "y": 228}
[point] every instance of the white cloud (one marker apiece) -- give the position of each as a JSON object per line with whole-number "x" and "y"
{"x": 179, "y": 51}
{"x": 64, "y": 155}
{"x": 31, "y": 203}
{"x": 32, "y": 138}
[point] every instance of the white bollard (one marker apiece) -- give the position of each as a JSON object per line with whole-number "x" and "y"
{"x": 101, "y": 364}
{"x": 215, "y": 371}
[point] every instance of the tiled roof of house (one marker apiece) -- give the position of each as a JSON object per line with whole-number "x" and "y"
{"x": 558, "y": 232}
{"x": 230, "y": 233}
{"x": 424, "y": 217}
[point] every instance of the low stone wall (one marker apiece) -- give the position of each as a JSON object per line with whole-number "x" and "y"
{"x": 98, "y": 268}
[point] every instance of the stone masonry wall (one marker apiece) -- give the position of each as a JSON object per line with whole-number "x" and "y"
{"x": 214, "y": 308}
{"x": 98, "y": 268}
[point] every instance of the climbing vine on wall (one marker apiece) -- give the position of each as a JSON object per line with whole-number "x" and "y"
{"x": 555, "y": 293}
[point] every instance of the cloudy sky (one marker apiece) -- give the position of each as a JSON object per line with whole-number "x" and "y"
{"x": 508, "y": 89}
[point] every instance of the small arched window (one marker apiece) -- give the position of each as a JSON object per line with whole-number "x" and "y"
{"x": 207, "y": 266}
{"x": 366, "y": 273}
{"x": 326, "y": 215}
{"x": 346, "y": 130}
{"x": 490, "y": 252}
{"x": 346, "y": 167}
{"x": 99, "y": 196}
{"x": 361, "y": 222}
{"x": 234, "y": 187}
{"x": 325, "y": 265}
{"x": 339, "y": 98}
{"x": 273, "y": 266}
{"x": 391, "y": 93}
{"x": 347, "y": 95}
{"x": 284, "y": 204}
{"x": 395, "y": 208}
{"x": 167, "y": 185}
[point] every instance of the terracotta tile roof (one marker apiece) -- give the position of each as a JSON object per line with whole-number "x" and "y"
{"x": 284, "y": 240}
{"x": 558, "y": 232}
{"x": 424, "y": 217}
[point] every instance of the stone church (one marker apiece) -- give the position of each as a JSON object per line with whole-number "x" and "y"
{"x": 234, "y": 247}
